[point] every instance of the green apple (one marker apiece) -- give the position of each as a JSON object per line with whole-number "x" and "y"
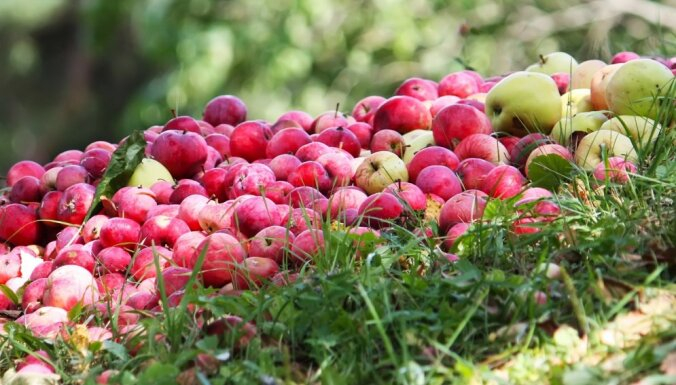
{"x": 524, "y": 102}
{"x": 583, "y": 73}
{"x": 635, "y": 88}
{"x": 148, "y": 172}
{"x": 379, "y": 170}
{"x": 574, "y": 101}
{"x": 583, "y": 122}
{"x": 589, "y": 152}
{"x": 643, "y": 131}
{"x": 417, "y": 143}
{"x": 554, "y": 62}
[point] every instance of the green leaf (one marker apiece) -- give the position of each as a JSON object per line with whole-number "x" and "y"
{"x": 116, "y": 349}
{"x": 10, "y": 294}
{"x": 158, "y": 373}
{"x": 122, "y": 164}
{"x": 75, "y": 312}
{"x": 548, "y": 171}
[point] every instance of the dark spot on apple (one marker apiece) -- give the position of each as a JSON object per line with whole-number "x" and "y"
{"x": 497, "y": 110}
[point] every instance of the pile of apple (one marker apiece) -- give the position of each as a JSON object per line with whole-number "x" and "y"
{"x": 250, "y": 196}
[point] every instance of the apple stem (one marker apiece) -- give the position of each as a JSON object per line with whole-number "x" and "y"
{"x": 335, "y": 115}
{"x": 173, "y": 112}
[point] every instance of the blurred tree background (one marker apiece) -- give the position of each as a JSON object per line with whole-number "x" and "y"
{"x": 72, "y": 72}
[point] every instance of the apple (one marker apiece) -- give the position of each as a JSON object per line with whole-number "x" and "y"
{"x": 26, "y": 190}
{"x": 366, "y": 108}
{"x": 345, "y": 198}
{"x": 524, "y": 102}
{"x": 482, "y": 146}
{"x": 566, "y": 130}
{"x": 143, "y": 263}
{"x": 381, "y": 209}
{"x": 312, "y": 151}
{"x": 114, "y": 259}
{"x": 282, "y": 165}
{"x": 68, "y": 286}
{"x": 255, "y": 214}
{"x": 402, "y": 114}
{"x": 186, "y": 250}
{"x": 307, "y": 245}
{"x": 617, "y": 170}
{"x": 576, "y": 101}
{"x": 45, "y": 322}
{"x": 378, "y": 170}
{"x": 215, "y": 217}
{"x": 466, "y": 207}
{"x": 186, "y": 188}
{"x": 548, "y": 149}
{"x": 421, "y": 89}
{"x": 329, "y": 119}
{"x": 271, "y": 242}
{"x": 503, "y": 182}
{"x": 624, "y": 56}
{"x": 441, "y": 102}
{"x": 388, "y": 140}
{"x": 439, "y": 180}
{"x": 223, "y": 254}
{"x": 581, "y": 77}
{"x": 589, "y": 151}
{"x": 598, "y": 85}
{"x": 162, "y": 230}
{"x": 120, "y": 232}
{"x": 249, "y": 140}
{"x": 473, "y": 171}
{"x": 642, "y": 131}
{"x": 455, "y": 232}
{"x": 363, "y": 132}
{"x": 24, "y": 168}
{"x": 300, "y": 118}
{"x": 70, "y": 175}
{"x": 338, "y": 167}
{"x": 562, "y": 80}
{"x": 299, "y": 219}
{"x": 286, "y": 141}
{"x": 340, "y": 137}
{"x": 637, "y": 87}
{"x": 134, "y": 203}
{"x": 554, "y": 62}
{"x": 183, "y": 153}
{"x": 460, "y": 84}
{"x": 95, "y": 162}
{"x": 429, "y": 156}
{"x": 148, "y": 172}
{"x": 416, "y": 141}
{"x": 312, "y": 174}
{"x": 458, "y": 121}
{"x": 220, "y": 143}
{"x": 410, "y": 195}
{"x": 19, "y": 224}
{"x": 224, "y": 109}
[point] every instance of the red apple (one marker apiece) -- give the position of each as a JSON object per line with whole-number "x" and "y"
{"x": 458, "y": 121}
{"x": 465, "y": 207}
{"x": 503, "y": 182}
{"x": 162, "y": 230}
{"x": 299, "y": 118}
{"x": 19, "y": 224}
{"x": 402, "y": 114}
{"x": 282, "y": 165}
{"x": 473, "y": 171}
{"x": 388, "y": 140}
{"x": 363, "y": 132}
{"x": 224, "y": 109}
{"x": 307, "y": 245}
{"x": 271, "y": 242}
{"x": 183, "y": 123}
{"x": 121, "y": 232}
{"x": 430, "y": 156}
{"x": 421, "y": 89}
{"x": 68, "y": 286}
{"x": 223, "y": 254}
{"x": 255, "y": 214}
{"x": 366, "y": 108}
{"x": 340, "y": 137}
{"x": 287, "y": 141}
{"x": 255, "y": 271}
{"x": 380, "y": 209}
{"x": 411, "y": 195}
{"x": 183, "y": 153}
{"x": 460, "y": 84}
{"x": 330, "y": 119}
{"x": 482, "y": 146}
{"x": 439, "y": 180}
{"x": 24, "y": 168}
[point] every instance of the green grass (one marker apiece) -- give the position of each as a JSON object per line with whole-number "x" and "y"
{"x": 398, "y": 312}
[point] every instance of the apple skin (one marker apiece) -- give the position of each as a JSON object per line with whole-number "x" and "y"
{"x": 452, "y": 235}
{"x": 224, "y": 109}
{"x": 254, "y": 272}
{"x": 74, "y": 255}
{"x": 307, "y": 245}
{"x": 439, "y": 180}
{"x": 565, "y": 131}
{"x": 548, "y": 149}
{"x": 223, "y": 254}
{"x": 10, "y": 267}
{"x": 416, "y": 141}
{"x": 220, "y": 143}
{"x": 114, "y": 259}
{"x": 402, "y": 114}
{"x": 342, "y": 138}
{"x": 186, "y": 250}
{"x": 69, "y": 285}
{"x": 143, "y": 264}
{"x": 588, "y": 153}
{"x": 25, "y": 190}
{"x": 70, "y": 175}
{"x": 623, "y": 57}
{"x": 338, "y": 168}
{"x": 24, "y": 168}
{"x": 378, "y": 170}
{"x": 380, "y": 209}
{"x": 162, "y": 230}
{"x": 182, "y": 153}
{"x": 456, "y": 122}
{"x": 581, "y": 76}
{"x": 632, "y": 89}
{"x": 300, "y": 118}
{"x": 555, "y": 62}
{"x": 312, "y": 151}
{"x": 421, "y": 89}
{"x": 330, "y": 119}
{"x": 287, "y": 141}
{"x": 255, "y": 214}
{"x": 249, "y": 140}
{"x": 429, "y": 156}
{"x": 366, "y": 108}
{"x": 387, "y": 140}
{"x": 503, "y": 182}
{"x": 184, "y": 189}
{"x": 19, "y": 224}
{"x": 617, "y": 171}
{"x": 312, "y": 174}
{"x": 460, "y": 84}
{"x": 599, "y": 83}
{"x": 122, "y": 232}
{"x": 576, "y": 101}
{"x": 643, "y": 131}
{"x": 466, "y": 207}
{"x": 482, "y": 146}
{"x": 297, "y": 220}
{"x": 46, "y": 322}
{"x": 473, "y": 171}
{"x": 134, "y": 203}
{"x": 345, "y": 198}
{"x": 271, "y": 242}
{"x": 148, "y": 172}
{"x": 562, "y": 80}
{"x": 524, "y": 102}
{"x": 442, "y": 102}
{"x": 363, "y": 132}
{"x": 413, "y": 197}
{"x": 282, "y": 165}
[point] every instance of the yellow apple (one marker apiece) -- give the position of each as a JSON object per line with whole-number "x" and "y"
{"x": 583, "y": 73}
{"x": 417, "y": 143}
{"x": 379, "y": 170}
{"x": 524, "y": 102}
{"x": 148, "y": 172}
{"x": 635, "y": 88}
{"x": 583, "y": 122}
{"x": 598, "y": 86}
{"x": 589, "y": 152}
{"x": 643, "y": 131}
{"x": 574, "y": 101}
{"x": 554, "y": 62}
